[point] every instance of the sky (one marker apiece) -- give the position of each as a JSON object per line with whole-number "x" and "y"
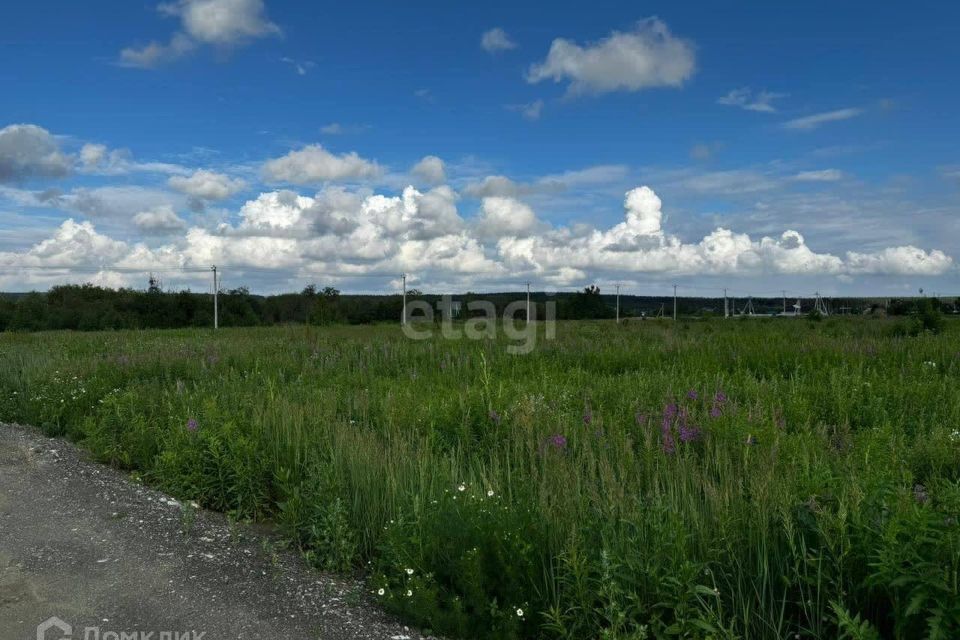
{"x": 753, "y": 146}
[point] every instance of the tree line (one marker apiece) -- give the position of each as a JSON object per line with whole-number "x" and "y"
{"x": 92, "y": 308}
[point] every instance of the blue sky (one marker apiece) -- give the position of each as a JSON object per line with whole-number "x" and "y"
{"x": 801, "y": 146}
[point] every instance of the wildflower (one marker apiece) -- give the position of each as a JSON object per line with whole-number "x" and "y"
{"x": 462, "y": 488}
{"x": 930, "y": 363}
{"x": 587, "y": 417}
{"x": 920, "y": 493}
{"x": 192, "y": 424}
{"x": 519, "y": 613}
{"x": 409, "y": 593}
{"x": 380, "y": 591}
{"x": 669, "y": 446}
{"x": 494, "y": 417}
{"x": 715, "y": 411}
{"x": 490, "y": 493}
{"x": 955, "y": 435}
{"x": 409, "y": 572}
{"x": 689, "y": 433}
{"x": 641, "y": 418}
{"x": 720, "y": 397}
{"x": 692, "y": 394}
{"x": 670, "y": 411}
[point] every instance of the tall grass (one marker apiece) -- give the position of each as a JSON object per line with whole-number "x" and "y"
{"x": 724, "y": 479}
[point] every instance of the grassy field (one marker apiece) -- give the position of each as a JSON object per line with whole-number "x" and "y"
{"x": 715, "y": 479}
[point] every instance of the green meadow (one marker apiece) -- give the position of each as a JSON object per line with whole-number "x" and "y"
{"x": 756, "y": 478}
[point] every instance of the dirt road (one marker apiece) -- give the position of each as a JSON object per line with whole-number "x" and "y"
{"x": 84, "y": 543}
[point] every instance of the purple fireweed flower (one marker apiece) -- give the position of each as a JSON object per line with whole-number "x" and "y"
{"x": 587, "y": 417}
{"x": 192, "y": 425}
{"x": 494, "y": 417}
{"x": 557, "y": 441}
{"x": 670, "y": 411}
{"x": 689, "y": 434}
{"x": 692, "y": 394}
{"x": 920, "y": 493}
{"x": 715, "y": 411}
{"x": 641, "y": 418}
{"x": 669, "y": 446}
{"x": 720, "y": 397}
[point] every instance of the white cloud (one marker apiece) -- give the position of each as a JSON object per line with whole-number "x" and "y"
{"x": 155, "y": 54}
{"x": 359, "y": 232}
{"x": 502, "y": 217}
{"x": 730, "y": 182}
{"x": 899, "y": 260}
{"x": 496, "y": 40}
{"x": 116, "y": 202}
{"x": 220, "y": 23}
{"x": 807, "y": 123}
{"x": 648, "y": 56}
{"x": 28, "y": 151}
{"x": 529, "y": 110}
{"x": 162, "y": 220}
{"x": 100, "y": 160}
{"x": 207, "y": 185}
{"x": 503, "y": 186}
{"x": 821, "y": 175}
{"x": 72, "y": 244}
{"x": 336, "y": 129}
{"x": 313, "y": 164}
{"x": 430, "y": 169}
{"x": 746, "y": 99}
{"x": 300, "y": 66}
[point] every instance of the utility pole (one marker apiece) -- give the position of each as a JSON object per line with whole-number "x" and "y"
{"x": 216, "y": 290}
{"x": 726, "y": 307}
{"x": 403, "y": 314}
{"x": 618, "y": 304}
{"x": 674, "y": 302}
{"x": 784, "y": 292}
{"x": 528, "y": 302}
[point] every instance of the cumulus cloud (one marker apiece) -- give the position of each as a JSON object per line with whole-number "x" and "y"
{"x": 162, "y": 220}
{"x": 808, "y": 123}
{"x": 220, "y": 23}
{"x": 100, "y": 160}
{"x": 899, "y": 260}
{"x": 207, "y": 185}
{"x": 502, "y": 217}
{"x": 430, "y": 169}
{"x": 649, "y": 56}
{"x": 313, "y": 164}
{"x": 72, "y": 244}
{"x": 746, "y": 99}
{"x": 354, "y": 231}
{"x": 28, "y": 151}
{"x": 496, "y": 40}
{"x": 116, "y": 202}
